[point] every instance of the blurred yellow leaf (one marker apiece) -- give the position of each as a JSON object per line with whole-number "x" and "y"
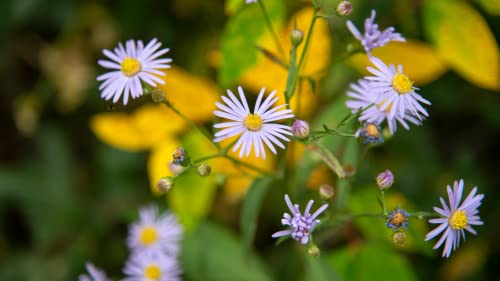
{"x": 140, "y": 130}
{"x": 420, "y": 62}
{"x": 272, "y": 76}
{"x": 192, "y": 95}
{"x": 464, "y": 41}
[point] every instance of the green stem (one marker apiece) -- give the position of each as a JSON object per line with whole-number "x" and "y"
{"x": 271, "y": 29}
{"x": 422, "y": 215}
{"x": 382, "y": 195}
{"x": 308, "y": 39}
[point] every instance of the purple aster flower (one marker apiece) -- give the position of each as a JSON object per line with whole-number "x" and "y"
{"x": 145, "y": 266}
{"x": 372, "y": 37}
{"x": 385, "y": 179}
{"x": 302, "y": 225}
{"x": 250, "y": 1}
{"x": 363, "y": 95}
{"x": 456, "y": 218}
{"x": 95, "y": 274}
{"x": 397, "y": 218}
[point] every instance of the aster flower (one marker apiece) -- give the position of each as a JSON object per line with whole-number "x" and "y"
{"x": 395, "y": 92}
{"x": 151, "y": 267}
{"x": 385, "y": 179}
{"x": 250, "y": 1}
{"x": 397, "y": 218}
{"x": 365, "y": 97}
{"x": 372, "y": 36}
{"x": 131, "y": 65}
{"x": 95, "y": 274}
{"x": 155, "y": 232}
{"x": 302, "y": 225}
{"x": 300, "y": 129}
{"x": 255, "y": 128}
{"x": 456, "y": 218}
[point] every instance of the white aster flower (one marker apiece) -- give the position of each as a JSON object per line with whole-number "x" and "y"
{"x": 456, "y": 218}
{"x": 131, "y": 65}
{"x": 395, "y": 92}
{"x": 151, "y": 267}
{"x": 95, "y": 274}
{"x": 250, "y": 1}
{"x": 255, "y": 128}
{"x": 363, "y": 96}
{"x": 155, "y": 232}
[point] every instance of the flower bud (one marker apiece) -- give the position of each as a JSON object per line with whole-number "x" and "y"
{"x": 180, "y": 157}
{"x": 385, "y": 179}
{"x": 165, "y": 184}
{"x": 297, "y": 36}
{"x": 344, "y": 8}
{"x": 349, "y": 170}
{"x": 371, "y": 133}
{"x": 399, "y": 238}
{"x": 158, "y": 95}
{"x": 175, "y": 169}
{"x": 326, "y": 191}
{"x": 313, "y": 251}
{"x": 300, "y": 129}
{"x": 204, "y": 170}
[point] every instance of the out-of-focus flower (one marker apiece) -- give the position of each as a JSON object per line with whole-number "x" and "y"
{"x": 255, "y": 128}
{"x": 457, "y": 217}
{"x": 204, "y": 170}
{"x": 385, "y": 179}
{"x": 250, "y": 1}
{"x": 131, "y": 65}
{"x": 371, "y": 133}
{"x": 95, "y": 274}
{"x": 395, "y": 91}
{"x": 155, "y": 233}
{"x": 180, "y": 157}
{"x": 372, "y": 36}
{"x": 165, "y": 184}
{"x": 344, "y": 8}
{"x": 326, "y": 191}
{"x": 300, "y": 129}
{"x": 301, "y": 224}
{"x": 399, "y": 238}
{"x": 364, "y": 96}
{"x": 397, "y": 218}
{"x": 152, "y": 267}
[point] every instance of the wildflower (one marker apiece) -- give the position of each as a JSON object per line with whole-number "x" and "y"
{"x": 371, "y": 133}
{"x": 364, "y": 97}
{"x": 180, "y": 157}
{"x": 255, "y": 128}
{"x": 300, "y": 129}
{"x": 385, "y": 179}
{"x": 302, "y": 225}
{"x": 344, "y": 8}
{"x": 152, "y": 267}
{"x": 395, "y": 91}
{"x": 456, "y": 218}
{"x": 314, "y": 251}
{"x": 397, "y": 218}
{"x": 204, "y": 170}
{"x": 326, "y": 191}
{"x": 399, "y": 238}
{"x": 157, "y": 233}
{"x": 131, "y": 65}
{"x": 95, "y": 274}
{"x": 250, "y": 1}
{"x": 372, "y": 36}
{"x": 165, "y": 184}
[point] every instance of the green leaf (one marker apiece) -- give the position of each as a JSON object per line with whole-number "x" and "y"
{"x": 464, "y": 40}
{"x": 318, "y": 269}
{"x": 251, "y": 207}
{"x": 212, "y": 253}
{"x": 240, "y": 38}
{"x": 233, "y": 6}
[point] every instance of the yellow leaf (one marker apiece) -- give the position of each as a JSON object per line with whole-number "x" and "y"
{"x": 137, "y": 131}
{"x": 464, "y": 41}
{"x": 192, "y": 95}
{"x": 160, "y": 160}
{"x": 273, "y": 77}
{"x": 420, "y": 62}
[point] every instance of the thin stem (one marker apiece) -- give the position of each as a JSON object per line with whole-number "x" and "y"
{"x": 271, "y": 29}
{"x": 422, "y": 215}
{"x": 308, "y": 39}
{"x": 382, "y": 195}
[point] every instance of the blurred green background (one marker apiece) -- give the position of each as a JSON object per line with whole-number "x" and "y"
{"x": 66, "y": 197}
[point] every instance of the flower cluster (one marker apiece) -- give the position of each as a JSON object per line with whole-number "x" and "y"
{"x": 154, "y": 245}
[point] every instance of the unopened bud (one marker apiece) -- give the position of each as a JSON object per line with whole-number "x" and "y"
{"x": 326, "y": 191}
{"x": 399, "y": 238}
{"x": 158, "y": 95}
{"x": 204, "y": 170}
{"x": 300, "y": 129}
{"x": 385, "y": 179}
{"x": 180, "y": 157}
{"x": 349, "y": 170}
{"x": 174, "y": 168}
{"x": 344, "y": 8}
{"x": 297, "y": 36}
{"x": 313, "y": 251}
{"x": 165, "y": 184}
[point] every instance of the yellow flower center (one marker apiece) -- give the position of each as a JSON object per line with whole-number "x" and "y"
{"x": 402, "y": 84}
{"x": 253, "y": 122}
{"x": 148, "y": 236}
{"x": 372, "y": 130}
{"x": 152, "y": 271}
{"x": 398, "y": 219}
{"x": 130, "y": 66}
{"x": 458, "y": 220}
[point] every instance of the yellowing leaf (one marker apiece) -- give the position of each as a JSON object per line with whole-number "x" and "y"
{"x": 137, "y": 131}
{"x": 464, "y": 41}
{"x": 160, "y": 160}
{"x": 273, "y": 77}
{"x": 420, "y": 62}
{"x": 192, "y": 95}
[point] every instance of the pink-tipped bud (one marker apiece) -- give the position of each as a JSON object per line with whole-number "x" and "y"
{"x": 300, "y": 129}
{"x": 385, "y": 179}
{"x": 344, "y": 8}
